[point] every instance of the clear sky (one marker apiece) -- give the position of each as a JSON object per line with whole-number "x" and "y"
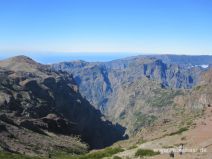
{"x": 130, "y": 26}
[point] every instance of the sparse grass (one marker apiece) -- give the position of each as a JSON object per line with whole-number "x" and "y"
{"x": 178, "y": 144}
{"x": 163, "y": 98}
{"x": 146, "y": 152}
{"x": 183, "y": 138}
{"x": 141, "y": 120}
{"x": 64, "y": 155}
{"x": 141, "y": 141}
{"x": 65, "y": 150}
{"x": 132, "y": 147}
{"x": 167, "y": 147}
{"x": 189, "y": 123}
{"x": 7, "y": 155}
{"x": 179, "y": 131}
{"x": 117, "y": 157}
{"x": 108, "y": 152}
{"x": 197, "y": 88}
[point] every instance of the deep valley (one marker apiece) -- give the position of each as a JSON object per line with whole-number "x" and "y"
{"x": 124, "y": 108}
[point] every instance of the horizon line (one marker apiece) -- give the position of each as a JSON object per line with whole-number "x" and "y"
{"x": 22, "y": 52}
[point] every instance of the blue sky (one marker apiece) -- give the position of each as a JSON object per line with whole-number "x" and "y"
{"x": 102, "y": 26}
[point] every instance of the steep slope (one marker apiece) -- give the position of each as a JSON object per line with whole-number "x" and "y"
{"x": 134, "y": 88}
{"x": 196, "y": 135}
{"x": 37, "y": 101}
{"x": 92, "y": 79}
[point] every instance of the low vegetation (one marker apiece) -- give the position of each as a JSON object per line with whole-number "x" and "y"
{"x": 145, "y": 152}
{"x": 117, "y": 157}
{"x": 179, "y": 131}
{"x": 7, "y": 155}
{"x": 132, "y": 147}
{"x": 108, "y": 152}
{"x": 163, "y": 97}
{"x": 142, "y": 120}
{"x": 167, "y": 147}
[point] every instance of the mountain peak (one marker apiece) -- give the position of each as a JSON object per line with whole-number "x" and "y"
{"x": 20, "y": 63}
{"x": 21, "y": 58}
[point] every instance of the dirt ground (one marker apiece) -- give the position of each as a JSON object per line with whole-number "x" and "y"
{"x": 197, "y": 142}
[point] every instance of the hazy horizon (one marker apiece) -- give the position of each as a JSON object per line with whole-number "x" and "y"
{"x": 49, "y": 58}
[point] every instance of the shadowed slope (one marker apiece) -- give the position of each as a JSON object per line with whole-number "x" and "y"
{"x": 41, "y": 100}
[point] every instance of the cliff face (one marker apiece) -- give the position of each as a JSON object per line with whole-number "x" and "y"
{"x": 99, "y": 81}
{"x": 34, "y": 98}
{"x": 122, "y": 89}
{"x": 201, "y": 95}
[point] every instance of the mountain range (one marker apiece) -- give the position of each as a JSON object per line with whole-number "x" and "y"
{"x": 136, "y": 87}
{"x": 77, "y": 106}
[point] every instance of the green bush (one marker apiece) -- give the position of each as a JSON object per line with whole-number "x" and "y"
{"x": 179, "y": 131}
{"x": 117, "y": 157}
{"x": 132, "y": 147}
{"x": 145, "y": 152}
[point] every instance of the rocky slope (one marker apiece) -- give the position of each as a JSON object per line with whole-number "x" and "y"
{"x": 160, "y": 103}
{"x": 42, "y": 110}
{"x": 194, "y": 131}
{"x": 136, "y": 88}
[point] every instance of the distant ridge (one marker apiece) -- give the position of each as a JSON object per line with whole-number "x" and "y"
{"x": 117, "y": 86}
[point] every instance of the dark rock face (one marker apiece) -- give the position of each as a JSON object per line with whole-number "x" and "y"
{"x": 2, "y": 127}
{"x": 44, "y": 100}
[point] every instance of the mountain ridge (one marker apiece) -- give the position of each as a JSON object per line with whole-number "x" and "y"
{"x": 148, "y": 98}
{"x": 102, "y": 83}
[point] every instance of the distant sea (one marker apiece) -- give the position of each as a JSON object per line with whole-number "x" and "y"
{"x": 49, "y": 58}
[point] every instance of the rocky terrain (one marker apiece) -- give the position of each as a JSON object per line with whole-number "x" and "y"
{"x": 194, "y": 132}
{"x": 159, "y": 101}
{"x": 41, "y": 111}
{"x": 135, "y": 91}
